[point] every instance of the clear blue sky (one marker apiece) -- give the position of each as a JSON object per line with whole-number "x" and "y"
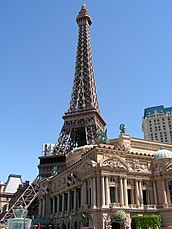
{"x": 132, "y": 52}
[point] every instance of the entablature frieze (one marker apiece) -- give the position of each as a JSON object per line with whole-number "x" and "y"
{"x": 153, "y": 146}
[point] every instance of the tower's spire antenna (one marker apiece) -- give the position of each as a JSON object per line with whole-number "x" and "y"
{"x": 83, "y": 118}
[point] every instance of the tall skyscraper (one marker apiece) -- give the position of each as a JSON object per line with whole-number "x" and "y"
{"x": 157, "y": 124}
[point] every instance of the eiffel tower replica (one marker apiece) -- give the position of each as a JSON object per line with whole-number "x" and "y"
{"x": 83, "y": 119}
{"x": 81, "y": 122}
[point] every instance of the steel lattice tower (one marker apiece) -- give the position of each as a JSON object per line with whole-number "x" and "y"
{"x": 83, "y": 118}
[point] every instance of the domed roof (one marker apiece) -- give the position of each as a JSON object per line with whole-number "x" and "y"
{"x": 163, "y": 153}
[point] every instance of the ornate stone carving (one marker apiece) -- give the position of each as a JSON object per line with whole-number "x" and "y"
{"x": 114, "y": 164}
{"x": 87, "y": 165}
{"x": 137, "y": 166}
{"x": 168, "y": 168}
{"x": 122, "y": 146}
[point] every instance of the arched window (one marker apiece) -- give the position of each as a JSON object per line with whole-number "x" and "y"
{"x": 144, "y": 193}
{"x": 144, "y": 183}
{"x": 170, "y": 189}
{"x": 112, "y": 179}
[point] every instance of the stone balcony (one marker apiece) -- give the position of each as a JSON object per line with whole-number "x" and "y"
{"x": 132, "y": 206}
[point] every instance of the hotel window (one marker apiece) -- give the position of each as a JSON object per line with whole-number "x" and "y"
{"x": 60, "y": 203}
{"x": 78, "y": 197}
{"x": 55, "y": 204}
{"x": 129, "y": 195}
{"x": 144, "y": 197}
{"x": 112, "y": 194}
{"x": 71, "y": 200}
{"x": 170, "y": 190}
{"x": 65, "y": 201}
{"x": 151, "y": 136}
{"x": 51, "y": 205}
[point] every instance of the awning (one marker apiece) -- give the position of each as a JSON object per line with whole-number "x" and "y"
{"x": 42, "y": 221}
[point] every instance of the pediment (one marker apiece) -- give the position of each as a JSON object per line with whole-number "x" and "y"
{"x": 87, "y": 165}
{"x": 115, "y": 163}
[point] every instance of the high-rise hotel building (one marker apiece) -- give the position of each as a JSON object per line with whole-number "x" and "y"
{"x": 157, "y": 124}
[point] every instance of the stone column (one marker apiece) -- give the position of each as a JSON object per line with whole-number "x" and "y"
{"x": 107, "y": 192}
{"x": 155, "y": 193}
{"x": 165, "y": 204}
{"x": 93, "y": 192}
{"x": 63, "y": 202}
{"x": 168, "y": 193}
{"x": 137, "y": 193}
{"x": 57, "y": 203}
{"x": 43, "y": 208}
{"x": 148, "y": 197}
{"x": 103, "y": 192}
{"x": 141, "y": 194}
{"x": 84, "y": 193}
{"x": 116, "y": 194}
{"x": 53, "y": 204}
{"x": 132, "y": 195}
{"x": 74, "y": 199}
{"x": 121, "y": 192}
{"x": 151, "y": 197}
{"x": 125, "y": 193}
{"x": 68, "y": 201}
{"x": 40, "y": 208}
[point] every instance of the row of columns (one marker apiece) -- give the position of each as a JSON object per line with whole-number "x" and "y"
{"x": 165, "y": 198}
{"x": 87, "y": 197}
{"x": 89, "y": 194}
{"x": 121, "y": 191}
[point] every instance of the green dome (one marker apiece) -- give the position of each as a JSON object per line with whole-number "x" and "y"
{"x": 163, "y": 153}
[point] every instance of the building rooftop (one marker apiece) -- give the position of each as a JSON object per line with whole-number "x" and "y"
{"x": 148, "y": 112}
{"x": 13, "y": 183}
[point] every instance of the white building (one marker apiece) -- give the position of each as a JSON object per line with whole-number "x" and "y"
{"x": 7, "y": 190}
{"x": 157, "y": 124}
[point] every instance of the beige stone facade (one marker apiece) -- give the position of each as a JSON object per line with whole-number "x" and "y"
{"x": 127, "y": 176}
{"x": 101, "y": 179}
